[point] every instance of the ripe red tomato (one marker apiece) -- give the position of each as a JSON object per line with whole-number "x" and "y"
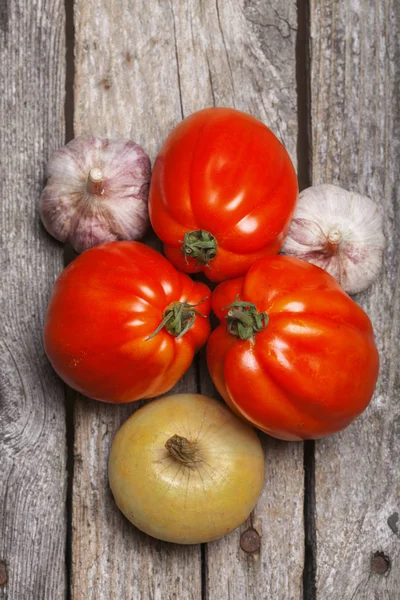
{"x": 104, "y": 309}
{"x": 222, "y": 193}
{"x": 293, "y": 353}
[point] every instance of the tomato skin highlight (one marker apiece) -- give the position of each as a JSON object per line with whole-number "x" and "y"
{"x": 314, "y": 367}
{"x": 224, "y": 172}
{"x": 103, "y": 309}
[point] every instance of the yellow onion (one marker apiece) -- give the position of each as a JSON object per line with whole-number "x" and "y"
{"x": 185, "y": 469}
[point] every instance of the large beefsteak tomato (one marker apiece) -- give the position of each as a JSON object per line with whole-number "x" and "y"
{"x": 293, "y": 353}
{"x": 222, "y": 193}
{"x": 102, "y": 331}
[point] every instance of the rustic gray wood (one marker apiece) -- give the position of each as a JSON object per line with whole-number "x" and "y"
{"x": 275, "y": 570}
{"x": 127, "y": 84}
{"x": 251, "y": 50}
{"x": 141, "y": 67}
{"x": 355, "y": 73}
{"x": 32, "y": 416}
{"x": 111, "y": 558}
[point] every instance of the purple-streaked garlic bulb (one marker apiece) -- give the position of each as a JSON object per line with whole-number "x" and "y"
{"x": 96, "y": 191}
{"x": 340, "y": 232}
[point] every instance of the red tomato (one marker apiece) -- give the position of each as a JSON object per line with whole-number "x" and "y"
{"x": 104, "y": 309}
{"x": 222, "y": 193}
{"x": 293, "y": 353}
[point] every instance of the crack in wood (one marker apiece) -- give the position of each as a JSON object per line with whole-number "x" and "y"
{"x": 226, "y": 50}
{"x": 178, "y": 72}
{"x": 4, "y": 16}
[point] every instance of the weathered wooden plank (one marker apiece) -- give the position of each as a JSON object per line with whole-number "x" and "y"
{"x": 249, "y": 49}
{"x": 32, "y": 423}
{"x": 127, "y": 83}
{"x": 355, "y": 73}
{"x": 168, "y": 60}
{"x": 110, "y": 557}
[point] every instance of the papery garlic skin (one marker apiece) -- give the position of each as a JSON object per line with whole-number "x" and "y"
{"x": 96, "y": 192}
{"x": 340, "y": 232}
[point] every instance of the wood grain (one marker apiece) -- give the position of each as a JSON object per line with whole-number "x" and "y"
{"x": 275, "y": 570}
{"x": 127, "y": 84}
{"x": 355, "y": 74}
{"x": 140, "y": 68}
{"x": 111, "y": 558}
{"x": 32, "y": 422}
{"x": 260, "y": 79}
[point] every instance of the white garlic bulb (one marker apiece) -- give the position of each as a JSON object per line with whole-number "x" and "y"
{"x": 96, "y": 191}
{"x": 340, "y": 232}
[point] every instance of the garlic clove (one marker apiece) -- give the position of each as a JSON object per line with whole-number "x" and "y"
{"x": 340, "y": 232}
{"x": 305, "y": 231}
{"x": 96, "y": 191}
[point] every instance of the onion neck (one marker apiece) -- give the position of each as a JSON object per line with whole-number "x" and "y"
{"x": 95, "y": 182}
{"x": 244, "y": 321}
{"x": 184, "y": 451}
{"x": 200, "y": 245}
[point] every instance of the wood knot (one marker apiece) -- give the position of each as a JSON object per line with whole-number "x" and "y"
{"x": 250, "y": 541}
{"x": 3, "y": 573}
{"x": 380, "y": 563}
{"x": 106, "y": 83}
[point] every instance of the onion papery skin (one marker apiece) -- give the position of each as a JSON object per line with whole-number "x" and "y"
{"x": 174, "y": 502}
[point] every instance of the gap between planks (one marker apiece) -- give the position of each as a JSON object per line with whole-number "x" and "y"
{"x": 68, "y": 257}
{"x": 304, "y": 161}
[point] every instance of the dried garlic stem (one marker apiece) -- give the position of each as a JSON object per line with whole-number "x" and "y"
{"x": 334, "y": 238}
{"x": 95, "y": 182}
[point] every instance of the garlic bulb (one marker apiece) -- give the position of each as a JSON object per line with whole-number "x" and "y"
{"x": 96, "y": 192}
{"x": 340, "y": 232}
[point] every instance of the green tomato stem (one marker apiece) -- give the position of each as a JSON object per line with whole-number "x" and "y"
{"x": 243, "y": 320}
{"x": 178, "y": 318}
{"x": 199, "y": 245}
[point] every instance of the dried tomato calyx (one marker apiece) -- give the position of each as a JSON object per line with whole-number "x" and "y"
{"x": 184, "y": 451}
{"x": 243, "y": 319}
{"x": 178, "y": 318}
{"x": 199, "y": 245}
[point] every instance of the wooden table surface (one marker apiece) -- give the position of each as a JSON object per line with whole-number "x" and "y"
{"x": 324, "y": 75}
